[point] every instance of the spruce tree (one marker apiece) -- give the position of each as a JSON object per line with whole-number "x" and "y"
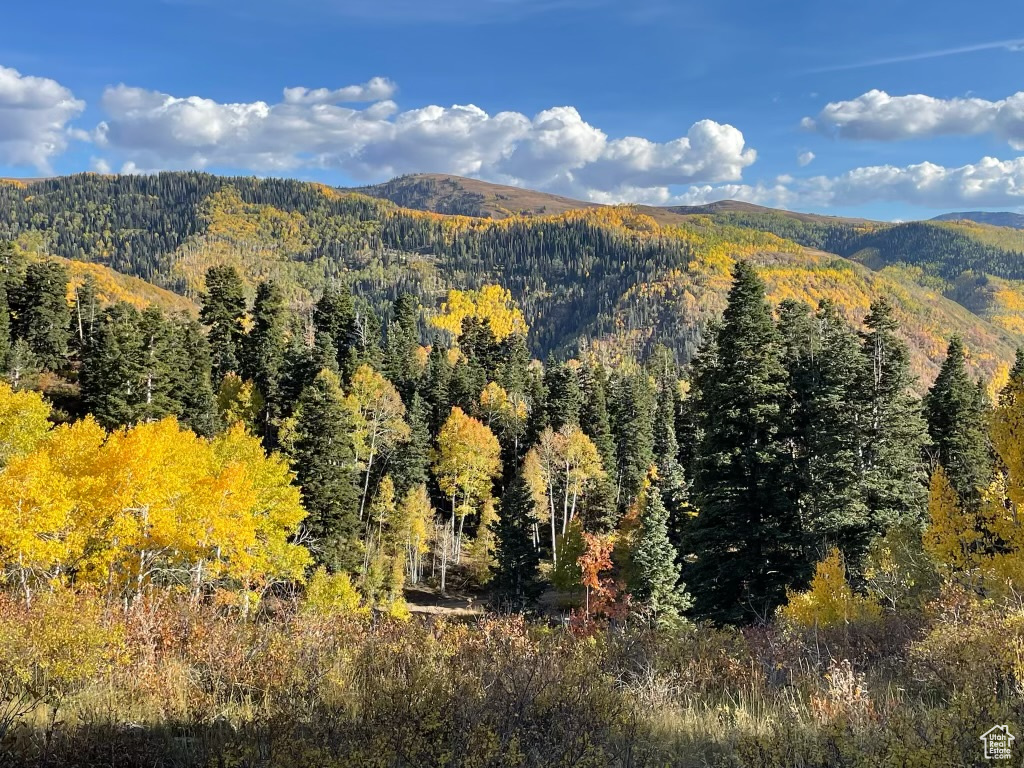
{"x": 632, "y": 408}
{"x": 223, "y": 311}
{"x": 410, "y": 463}
{"x": 596, "y": 424}
{"x": 335, "y": 315}
{"x": 832, "y": 503}
{"x": 402, "y": 340}
{"x": 746, "y": 537}
{"x": 516, "y": 579}
{"x": 113, "y": 368}
{"x": 160, "y": 380}
{"x": 324, "y": 460}
{"x": 195, "y": 389}
{"x": 264, "y": 350}
{"x": 894, "y": 477}
{"x": 655, "y": 573}
{"x": 957, "y": 417}
{"x": 437, "y": 386}
{"x": 42, "y": 316}
{"x": 562, "y": 406}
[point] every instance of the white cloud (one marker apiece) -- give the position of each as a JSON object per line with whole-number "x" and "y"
{"x": 989, "y": 183}
{"x": 375, "y": 89}
{"x": 805, "y": 158}
{"x": 34, "y": 117}
{"x": 557, "y": 149}
{"x": 878, "y": 116}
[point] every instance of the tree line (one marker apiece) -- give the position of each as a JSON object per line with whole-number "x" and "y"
{"x": 430, "y": 445}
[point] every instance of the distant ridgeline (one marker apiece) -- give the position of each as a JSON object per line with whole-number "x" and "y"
{"x": 622, "y": 279}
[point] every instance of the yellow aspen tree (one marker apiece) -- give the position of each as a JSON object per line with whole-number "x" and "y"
{"x": 491, "y": 303}
{"x": 24, "y": 422}
{"x": 415, "y": 516}
{"x": 468, "y": 460}
{"x": 379, "y": 421}
{"x": 830, "y": 601}
{"x": 953, "y": 537}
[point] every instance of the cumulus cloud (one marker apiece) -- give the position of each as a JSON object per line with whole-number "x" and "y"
{"x": 556, "y": 149}
{"x": 805, "y": 158}
{"x": 989, "y": 183}
{"x": 878, "y": 116}
{"x": 34, "y": 117}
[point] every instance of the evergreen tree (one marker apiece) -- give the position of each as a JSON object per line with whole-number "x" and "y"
{"x": 365, "y": 348}
{"x": 264, "y": 349}
{"x": 22, "y": 368}
{"x": 746, "y": 536}
{"x": 632, "y": 409}
{"x": 596, "y": 424}
{"x": 161, "y": 379}
{"x": 223, "y": 311}
{"x": 957, "y": 416}
{"x": 437, "y": 386}
{"x": 516, "y": 572}
{"x": 654, "y": 570}
{"x": 410, "y": 464}
{"x": 893, "y": 474}
{"x": 562, "y": 406}
{"x": 195, "y": 390}
{"x": 402, "y": 340}
{"x": 113, "y": 368}
{"x": 831, "y": 501}
{"x": 41, "y": 313}
{"x": 324, "y": 460}
{"x": 335, "y": 315}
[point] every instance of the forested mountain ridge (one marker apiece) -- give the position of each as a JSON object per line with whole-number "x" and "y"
{"x": 621, "y": 279}
{"x": 995, "y": 218}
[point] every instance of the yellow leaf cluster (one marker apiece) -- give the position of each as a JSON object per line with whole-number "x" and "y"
{"x": 154, "y": 503}
{"x": 491, "y": 303}
{"x": 830, "y": 601}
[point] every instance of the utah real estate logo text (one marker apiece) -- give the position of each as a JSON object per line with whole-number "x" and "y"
{"x": 998, "y": 741}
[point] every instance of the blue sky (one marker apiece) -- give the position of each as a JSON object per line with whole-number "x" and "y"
{"x": 890, "y": 109}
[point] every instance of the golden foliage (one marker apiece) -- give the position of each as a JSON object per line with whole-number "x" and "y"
{"x": 491, "y": 303}
{"x": 830, "y": 601}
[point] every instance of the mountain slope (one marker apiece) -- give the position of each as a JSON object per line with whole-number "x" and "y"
{"x": 995, "y": 218}
{"x": 612, "y": 278}
{"x": 442, "y": 193}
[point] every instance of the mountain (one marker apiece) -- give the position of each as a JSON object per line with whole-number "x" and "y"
{"x": 442, "y": 193}
{"x": 615, "y": 279}
{"x": 995, "y": 218}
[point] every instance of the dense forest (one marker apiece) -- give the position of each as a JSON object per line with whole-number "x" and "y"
{"x": 235, "y": 537}
{"x": 618, "y": 281}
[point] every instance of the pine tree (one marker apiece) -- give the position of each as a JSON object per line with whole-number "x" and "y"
{"x": 160, "y": 382}
{"x": 654, "y": 570}
{"x": 411, "y": 460}
{"x": 195, "y": 390}
{"x": 402, "y": 339}
{"x": 516, "y": 578}
{"x": 325, "y": 466}
{"x": 264, "y": 350}
{"x": 42, "y": 316}
{"x": 746, "y": 538}
{"x": 595, "y": 422}
{"x": 894, "y": 476}
{"x": 113, "y": 368}
{"x": 335, "y": 315}
{"x": 832, "y": 504}
{"x": 957, "y": 416}
{"x": 562, "y": 406}
{"x": 632, "y": 407}
{"x": 223, "y": 311}
{"x": 437, "y": 386}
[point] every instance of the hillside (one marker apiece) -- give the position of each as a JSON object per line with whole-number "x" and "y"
{"x": 995, "y": 218}
{"x": 441, "y": 193}
{"x": 614, "y": 278}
